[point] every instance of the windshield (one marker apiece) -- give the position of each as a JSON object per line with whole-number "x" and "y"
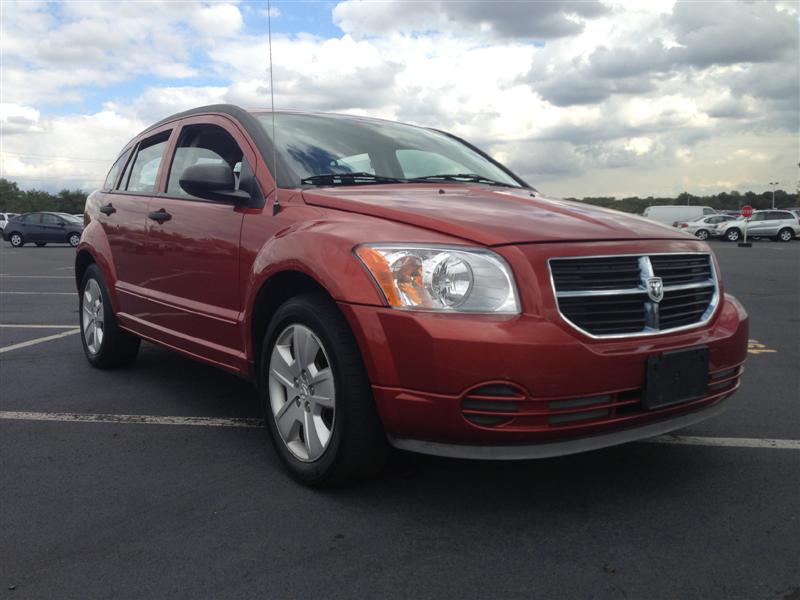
{"x": 314, "y": 145}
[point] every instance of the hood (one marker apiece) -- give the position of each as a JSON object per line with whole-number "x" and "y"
{"x": 489, "y": 215}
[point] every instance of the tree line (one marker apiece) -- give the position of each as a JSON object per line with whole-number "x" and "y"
{"x": 13, "y": 199}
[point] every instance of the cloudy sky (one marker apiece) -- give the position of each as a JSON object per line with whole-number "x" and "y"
{"x": 580, "y": 98}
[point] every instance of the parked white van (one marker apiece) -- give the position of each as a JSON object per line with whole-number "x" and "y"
{"x": 670, "y": 215}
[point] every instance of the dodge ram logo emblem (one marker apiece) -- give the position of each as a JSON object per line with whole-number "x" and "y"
{"x": 655, "y": 289}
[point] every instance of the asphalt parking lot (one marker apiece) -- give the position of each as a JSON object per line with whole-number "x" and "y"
{"x": 183, "y": 508}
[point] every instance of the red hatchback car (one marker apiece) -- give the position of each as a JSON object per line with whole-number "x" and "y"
{"x": 398, "y": 287}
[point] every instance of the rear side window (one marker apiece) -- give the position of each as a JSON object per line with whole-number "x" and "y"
{"x": 48, "y": 219}
{"x": 203, "y": 145}
{"x": 779, "y": 216}
{"x": 113, "y": 174}
{"x": 141, "y": 175}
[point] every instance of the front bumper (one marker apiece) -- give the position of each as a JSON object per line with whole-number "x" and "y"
{"x": 526, "y": 386}
{"x": 559, "y": 447}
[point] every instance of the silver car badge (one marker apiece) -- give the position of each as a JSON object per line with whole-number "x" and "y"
{"x": 655, "y": 289}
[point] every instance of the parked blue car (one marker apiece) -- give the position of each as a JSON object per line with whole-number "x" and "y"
{"x": 43, "y": 228}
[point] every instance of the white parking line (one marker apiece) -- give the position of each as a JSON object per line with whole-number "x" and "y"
{"x": 688, "y": 440}
{"x": 17, "y": 326}
{"x": 724, "y": 442}
{"x": 3, "y": 275}
{"x": 39, "y": 340}
{"x": 130, "y": 419}
{"x": 40, "y": 294}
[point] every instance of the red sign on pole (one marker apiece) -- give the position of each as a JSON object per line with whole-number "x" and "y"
{"x": 747, "y": 211}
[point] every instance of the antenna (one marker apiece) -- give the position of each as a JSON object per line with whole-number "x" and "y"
{"x": 276, "y": 205}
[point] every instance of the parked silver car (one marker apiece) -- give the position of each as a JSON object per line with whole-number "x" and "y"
{"x": 780, "y": 225}
{"x": 704, "y": 227}
{"x": 5, "y": 218}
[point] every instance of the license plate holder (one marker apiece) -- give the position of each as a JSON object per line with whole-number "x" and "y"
{"x": 675, "y": 376}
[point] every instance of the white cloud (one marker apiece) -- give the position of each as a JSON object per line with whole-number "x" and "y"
{"x": 623, "y": 97}
{"x": 74, "y": 151}
{"x": 218, "y": 20}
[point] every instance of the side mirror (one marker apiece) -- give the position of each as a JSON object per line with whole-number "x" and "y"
{"x": 212, "y": 182}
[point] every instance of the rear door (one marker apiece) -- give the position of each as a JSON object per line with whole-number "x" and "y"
{"x": 52, "y": 228}
{"x": 193, "y": 266}
{"x": 123, "y": 214}
{"x": 780, "y": 219}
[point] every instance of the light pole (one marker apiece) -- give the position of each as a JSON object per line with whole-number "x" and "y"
{"x": 773, "y": 184}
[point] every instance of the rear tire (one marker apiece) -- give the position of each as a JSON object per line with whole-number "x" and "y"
{"x": 347, "y": 440}
{"x": 105, "y": 345}
{"x": 74, "y": 239}
{"x": 785, "y": 235}
{"x": 733, "y": 235}
{"x": 16, "y": 240}
{"x": 701, "y": 234}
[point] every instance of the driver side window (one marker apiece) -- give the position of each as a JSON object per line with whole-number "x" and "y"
{"x": 203, "y": 145}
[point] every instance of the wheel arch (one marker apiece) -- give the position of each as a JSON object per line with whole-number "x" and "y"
{"x": 83, "y": 260}
{"x": 274, "y": 291}
{"x": 95, "y": 249}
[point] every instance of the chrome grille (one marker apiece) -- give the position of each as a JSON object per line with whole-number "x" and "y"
{"x": 607, "y": 296}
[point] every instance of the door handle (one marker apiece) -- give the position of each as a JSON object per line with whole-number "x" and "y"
{"x": 159, "y": 215}
{"x": 108, "y": 209}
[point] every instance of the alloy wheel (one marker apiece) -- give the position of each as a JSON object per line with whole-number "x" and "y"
{"x": 786, "y": 235}
{"x": 74, "y": 240}
{"x": 16, "y": 239}
{"x": 702, "y": 234}
{"x": 93, "y": 323}
{"x": 302, "y": 392}
{"x": 733, "y": 234}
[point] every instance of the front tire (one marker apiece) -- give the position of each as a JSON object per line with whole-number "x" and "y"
{"x": 16, "y": 240}
{"x": 105, "y": 345}
{"x": 701, "y": 234}
{"x": 317, "y": 397}
{"x": 733, "y": 235}
{"x": 785, "y": 235}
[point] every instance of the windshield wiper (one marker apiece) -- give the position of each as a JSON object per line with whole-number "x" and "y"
{"x": 462, "y": 177}
{"x": 360, "y": 177}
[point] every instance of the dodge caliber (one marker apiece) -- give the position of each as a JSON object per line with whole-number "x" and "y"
{"x": 388, "y": 285}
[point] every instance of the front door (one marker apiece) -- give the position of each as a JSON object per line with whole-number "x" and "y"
{"x": 193, "y": 266}
{"x": 758, "y": 225}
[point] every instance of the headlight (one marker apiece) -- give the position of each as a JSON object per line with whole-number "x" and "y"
{"x": 441, "y": 279}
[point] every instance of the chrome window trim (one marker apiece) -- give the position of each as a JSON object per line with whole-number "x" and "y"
{"x": 645, "y": 268}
